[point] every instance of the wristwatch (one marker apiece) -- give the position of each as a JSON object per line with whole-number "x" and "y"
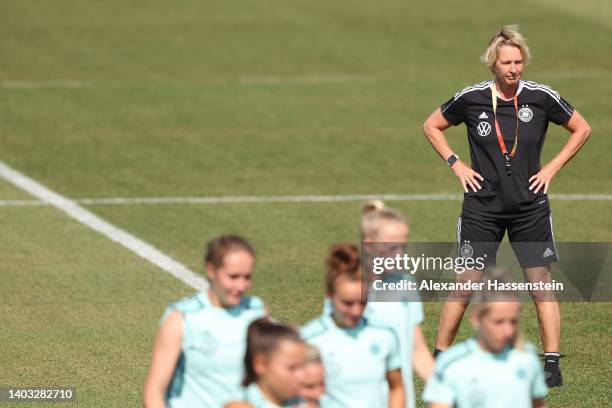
{"x": 452, "y": 159}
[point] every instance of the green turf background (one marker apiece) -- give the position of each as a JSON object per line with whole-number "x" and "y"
{"x": 207, "y": 98}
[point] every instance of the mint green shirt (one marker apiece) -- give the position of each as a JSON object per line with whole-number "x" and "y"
{"x": 254, "y": 396}
{"x": 402, "y": 317}
{"x": 356, "y": 361}
{"x": 468, "y": 376}
{"x": 210, "y": 367}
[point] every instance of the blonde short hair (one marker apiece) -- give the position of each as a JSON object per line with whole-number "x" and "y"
{"x": 508, "y": 35}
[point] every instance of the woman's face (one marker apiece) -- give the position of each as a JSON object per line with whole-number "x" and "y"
{"x": 282, "y": 372}
{"x": 313, "y": 383}
{"x": 392, "y": 231}
{"x": 390, "y": 241}
{"x": 509, "y": 65}
{"x": 232, "y": 279}
{"x": 347, "y": 302}
{"x": 498, "y": 328}
{"x": 395, "y": 235}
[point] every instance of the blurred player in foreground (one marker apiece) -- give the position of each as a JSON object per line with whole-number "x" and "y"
{"x": 383, "y": 227}
{"x": 198, "y": 354}
{"x": 274, "y": 365}
{"x": 492, "y": 369}
{"x": 360, "y": 354}
{"x": 313, "y": 383}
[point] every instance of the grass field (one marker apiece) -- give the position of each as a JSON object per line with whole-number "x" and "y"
{"x": 218, "y": 98}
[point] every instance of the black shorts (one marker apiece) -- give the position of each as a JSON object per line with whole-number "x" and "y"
{"x": 531, "y": 237}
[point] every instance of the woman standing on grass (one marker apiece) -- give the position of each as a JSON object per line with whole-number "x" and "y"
{"x": 505, "y": 186}
{"x": 198, "y": 353}
{"x": 361, "y": 355}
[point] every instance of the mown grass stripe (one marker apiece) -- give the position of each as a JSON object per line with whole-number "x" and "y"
{"x": 112, "y": 232}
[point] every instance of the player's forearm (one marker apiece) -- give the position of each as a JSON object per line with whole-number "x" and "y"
{"x": 153, "y": 398}
{"x": 437, "y": 140}
{"x": 397, "y": 397}
{"x": 424, "y": 364}
{"x": 423, "y": 361}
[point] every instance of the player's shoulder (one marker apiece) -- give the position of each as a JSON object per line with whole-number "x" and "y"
{"x": 313, "y": 329}
{"x": 252, "y": 303}
{"x": 526, "y": 350}
{"x": 382, "y": 329}
{"x": 185, "y": 307}
{"x": 190, "y": 304}
{"x": 470, "y": 89}
{"x": 529, "y": 348}
{"x": 536, "y": 87}
{"x": 199, "y": 302}
{"x": 452, "y": 356}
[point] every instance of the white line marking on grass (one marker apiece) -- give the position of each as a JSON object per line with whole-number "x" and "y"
{"x": 308, "y": 79}
{"x": 272, "y": 199}
{"x": 44, "y": 84}
{"x": 286, "y": 199}
{"x": 267, "y": 199}
{"x": 122, "y": 237}
{"x": 571, "y": 74}
{"x": 581, "y": 197}
{"x": 21, "y": 203}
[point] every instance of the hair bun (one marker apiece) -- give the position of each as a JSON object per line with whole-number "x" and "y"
{"x": 343, "y": 257}
{"x": 371, "y": 206}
